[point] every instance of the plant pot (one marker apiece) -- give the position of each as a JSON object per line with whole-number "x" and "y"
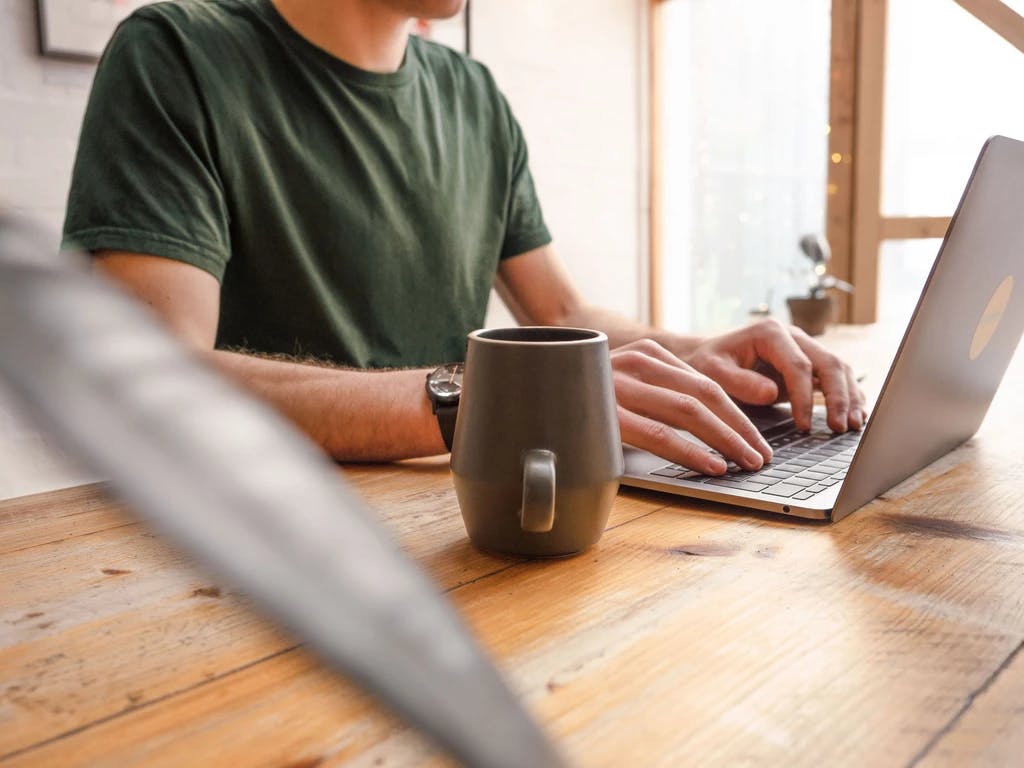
{"x": 811, "y": 315}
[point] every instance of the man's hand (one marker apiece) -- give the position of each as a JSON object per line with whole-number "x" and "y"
{"x": 657, "y": 392}
{"x": 802, "y": 364}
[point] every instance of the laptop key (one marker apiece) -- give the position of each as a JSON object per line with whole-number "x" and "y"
{"x": 803, "y": 495}
{"x": 791, "y": 469}
{"x": 677, "y": 472}
{"x": 666, "y": 472}
{"x": 753, "y": 487}
{"x": 814, "y": 474}
{"x": 783, "y": 489}
{"x": 766, "y": 472}
{"x": 836, "y": 462}
{"x": 779, "y": 459}
{"x": 801, "y": 461}
{"x": 742, "y": 485}
{"x": 764, "y": 480}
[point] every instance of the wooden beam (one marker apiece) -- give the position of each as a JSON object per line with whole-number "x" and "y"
{"x": 656, "y": 244}
{"x": 867, "y": 158}
{"x": 999, "y": 17}
{"x": 914, "y": 227}
{"x": 842, "y": 101}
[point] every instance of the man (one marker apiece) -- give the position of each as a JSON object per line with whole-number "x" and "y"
{"x": 303, "y": 178}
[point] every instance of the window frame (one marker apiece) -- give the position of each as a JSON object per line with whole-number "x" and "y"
{"x": 855, "y": 225}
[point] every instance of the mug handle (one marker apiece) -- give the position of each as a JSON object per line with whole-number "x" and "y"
{"x": 538, "y": 512}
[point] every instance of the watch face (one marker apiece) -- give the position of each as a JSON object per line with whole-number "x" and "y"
{"x": 445, "y": 384}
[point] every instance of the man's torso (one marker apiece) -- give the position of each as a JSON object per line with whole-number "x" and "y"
{"x": 364, "y": 214}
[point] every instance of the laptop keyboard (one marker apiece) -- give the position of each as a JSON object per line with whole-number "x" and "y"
{"x": 803, "y": 465}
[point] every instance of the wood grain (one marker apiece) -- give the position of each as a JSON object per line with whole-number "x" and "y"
{"x": 692, "y": 633}
{"x": 70, "y": 595}
{"x": 867, "y": 158}
{"x": 842, "y": 96}
{"x": 50, "y": 517}
{"x": 999, "y": 17}
{"x": 911, "y": 227}
{"x": 986, "y": 730}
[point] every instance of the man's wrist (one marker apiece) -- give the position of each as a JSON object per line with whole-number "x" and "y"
{"x": 444, "y": 389}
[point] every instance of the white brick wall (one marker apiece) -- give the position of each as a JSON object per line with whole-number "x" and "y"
{"x": 573, "y": 72}
{"x": 41, "y": 106}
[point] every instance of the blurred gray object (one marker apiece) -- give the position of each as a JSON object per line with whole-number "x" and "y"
{"x": 816, "y": 248}
{"x": 242, "y": 490}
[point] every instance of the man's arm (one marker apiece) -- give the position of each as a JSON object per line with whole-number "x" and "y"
{"x": 665, "y": 380}
{"x": 537, "y": 289}
{"x": 354, "y": 415}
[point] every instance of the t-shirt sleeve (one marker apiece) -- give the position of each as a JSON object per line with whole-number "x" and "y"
{"x": 145, "y": 179}
{"x": 525, "y": 228}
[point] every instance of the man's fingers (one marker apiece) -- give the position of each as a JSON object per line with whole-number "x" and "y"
{"x": 655, "y": 365}
{"x": 662, "y": 440}
{"x": 746, "y": 385}
{"x": 651, "y": 348}
{"x": 698, "y": 405}
{"x": 765, "y": 361}
{"x": 844, "y": 401}
{"x": 688, "y": 382}
{"x": 834, "y": 385}
{"x": 777, "y": 346}
{"x": 858, "y": 404}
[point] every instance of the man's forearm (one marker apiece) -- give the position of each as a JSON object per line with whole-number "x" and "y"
{"x": 354, "y": 415}
{"x": 622, "y": 330}
{"x": 537, "y": 290}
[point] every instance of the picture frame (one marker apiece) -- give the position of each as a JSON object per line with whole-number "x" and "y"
{"x": 80, "y": 29}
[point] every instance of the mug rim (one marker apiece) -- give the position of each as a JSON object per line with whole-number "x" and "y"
{"x": 592, "y": 336}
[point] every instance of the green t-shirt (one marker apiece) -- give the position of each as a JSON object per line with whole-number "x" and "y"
{"x": 351, "y": 216}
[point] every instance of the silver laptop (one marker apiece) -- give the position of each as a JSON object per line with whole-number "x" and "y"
{"x": 954, "y": 353}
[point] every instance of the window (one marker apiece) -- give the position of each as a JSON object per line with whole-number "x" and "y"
{"x": 743, "y": 150}
{"x": 742, "y": 96}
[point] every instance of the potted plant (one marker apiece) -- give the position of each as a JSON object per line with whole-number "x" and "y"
{"x": 812, "y": 312}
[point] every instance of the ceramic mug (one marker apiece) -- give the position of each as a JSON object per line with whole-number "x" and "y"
{"x": 537, "y": 455}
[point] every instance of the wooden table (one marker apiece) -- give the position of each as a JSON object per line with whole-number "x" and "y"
{"x": 691, "y": 634}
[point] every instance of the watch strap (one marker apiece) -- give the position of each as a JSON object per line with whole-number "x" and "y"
{"x": 446, "y": 414}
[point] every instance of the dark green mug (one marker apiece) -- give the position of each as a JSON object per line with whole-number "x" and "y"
{"x": 537, "y": 455}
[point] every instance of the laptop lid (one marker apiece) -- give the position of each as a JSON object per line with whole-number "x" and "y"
{"x": 960, "y": 339}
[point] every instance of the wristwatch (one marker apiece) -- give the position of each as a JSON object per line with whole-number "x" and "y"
{"x": 444, "y": 386}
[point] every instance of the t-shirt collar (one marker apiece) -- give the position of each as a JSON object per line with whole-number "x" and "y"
{"x": 404, "y": 74}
